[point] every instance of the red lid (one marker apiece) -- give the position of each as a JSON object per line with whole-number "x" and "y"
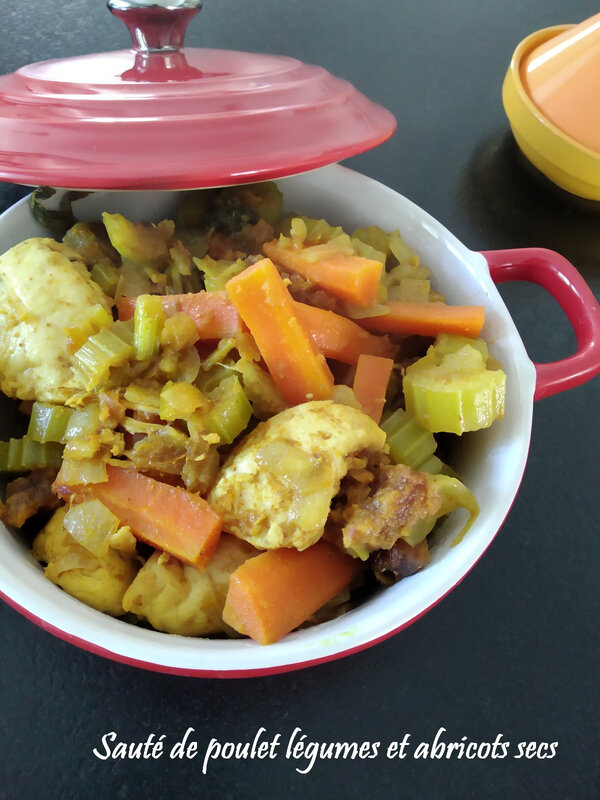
{"x": 162, "y": 116}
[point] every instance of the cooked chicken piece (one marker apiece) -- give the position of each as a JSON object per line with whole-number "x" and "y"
{"x": 177, "y": 598}
{"x": 44, "y": 289}
{"x": 99, "y": 582}
{"x": 275, "y": 490}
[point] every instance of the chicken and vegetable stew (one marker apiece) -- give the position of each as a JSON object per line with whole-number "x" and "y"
{"x": 236, "y": 420}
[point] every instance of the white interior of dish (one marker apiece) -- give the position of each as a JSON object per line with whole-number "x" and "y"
{"x": 491, "y": 462}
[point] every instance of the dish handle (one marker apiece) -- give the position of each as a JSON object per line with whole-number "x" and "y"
{"x": 559, "y": 277}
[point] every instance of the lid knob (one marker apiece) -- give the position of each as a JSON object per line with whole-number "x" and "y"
{"x": 155, "y": 27}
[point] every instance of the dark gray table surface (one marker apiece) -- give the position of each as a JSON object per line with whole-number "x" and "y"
{"x": 513, "y": 650}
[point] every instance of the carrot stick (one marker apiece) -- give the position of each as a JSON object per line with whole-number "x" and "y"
{"x": 339, "y": 337}
{"x": 335, "y": 336}
{"x": 264, "y": 303}
{"x": 273, "y": 593}
{"x": 214, "y": 316}
{"x": 352, "y": 278}
{"x": 164, "y": 516}
{"x": 427, "y": 319}
{"x": 370, "y": 383}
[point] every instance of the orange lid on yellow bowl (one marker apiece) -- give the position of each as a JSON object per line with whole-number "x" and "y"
{"x": 550, "y": 95}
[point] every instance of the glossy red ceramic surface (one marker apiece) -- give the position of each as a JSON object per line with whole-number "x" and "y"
{"x": 161, "y": 116}
{"x": 559, "y": 277}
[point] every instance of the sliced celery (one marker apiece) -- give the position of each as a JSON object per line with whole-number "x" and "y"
{"x": 453, "y": 391}
{"x": 83, "y": 422}
{"x": 124, "y": 330}
{"x": 231, "y": 411}
{"x": 409, "y": 443}
{"x": 217, "y": 273}
{"x": 260, "y": 389}
{"x": 83, "y": 448}
{"x": 180, "y": 258}
{"x": 106, "y": 275}
{"x": 90, "y": 242}
{"x": 433, "y": 465}
{"x": 148, "y": 319}
{"x": 208, "y": 380}
{"x": 453, "y": 494}
{"x": 24, "y": 455}
{"x": 403, "y": 253}
{"x": 411, "y": 290}
{"x": 106, "y": 349}
{"x": 174, "y": 280}
{"x": 48, "y": 422}
{"x": 374, "y": 236}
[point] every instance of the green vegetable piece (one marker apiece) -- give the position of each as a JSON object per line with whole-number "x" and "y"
{"x": 137, "y": 243}
{"x": 447, "y": 343}
{"x": 265, "y": 200}
{"x": 453, "y": 391}
{"x": 402, "y": 252}
{"x": 57, "y": 221}
{"x": 260, "y": 389}
{"x": 374, "y": 237}
{"x": 409, "y": 443}
{"x": 91, "y": 243}
{"x": 48, "y": 422}
{"x": 24, "y": 455}
{"x": 106, "y": 275}
{"x": 433, "y": 465}
{"x": 217, "y": 273}
{"x": 209, "y": 379}
{"x": 231, "y": 411}
{"x": 148, "y": 320}
{"x": 453, "y": 494}
{"x": 106, "y": 349}
{"x": 194, "y": 207}
{"x": 83, "y": 422}
{"x": 124, "y": 330}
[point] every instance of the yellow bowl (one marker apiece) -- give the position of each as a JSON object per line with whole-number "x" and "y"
{"x": 562, "y": 159}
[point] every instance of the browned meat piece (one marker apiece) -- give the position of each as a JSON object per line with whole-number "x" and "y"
{"x": 26, "y": 496}
{"x": 399, "y": 498}
{"x": 223, "y": 246}
{"x": 304, "y": 291}
{"x": 401, "y": 560}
